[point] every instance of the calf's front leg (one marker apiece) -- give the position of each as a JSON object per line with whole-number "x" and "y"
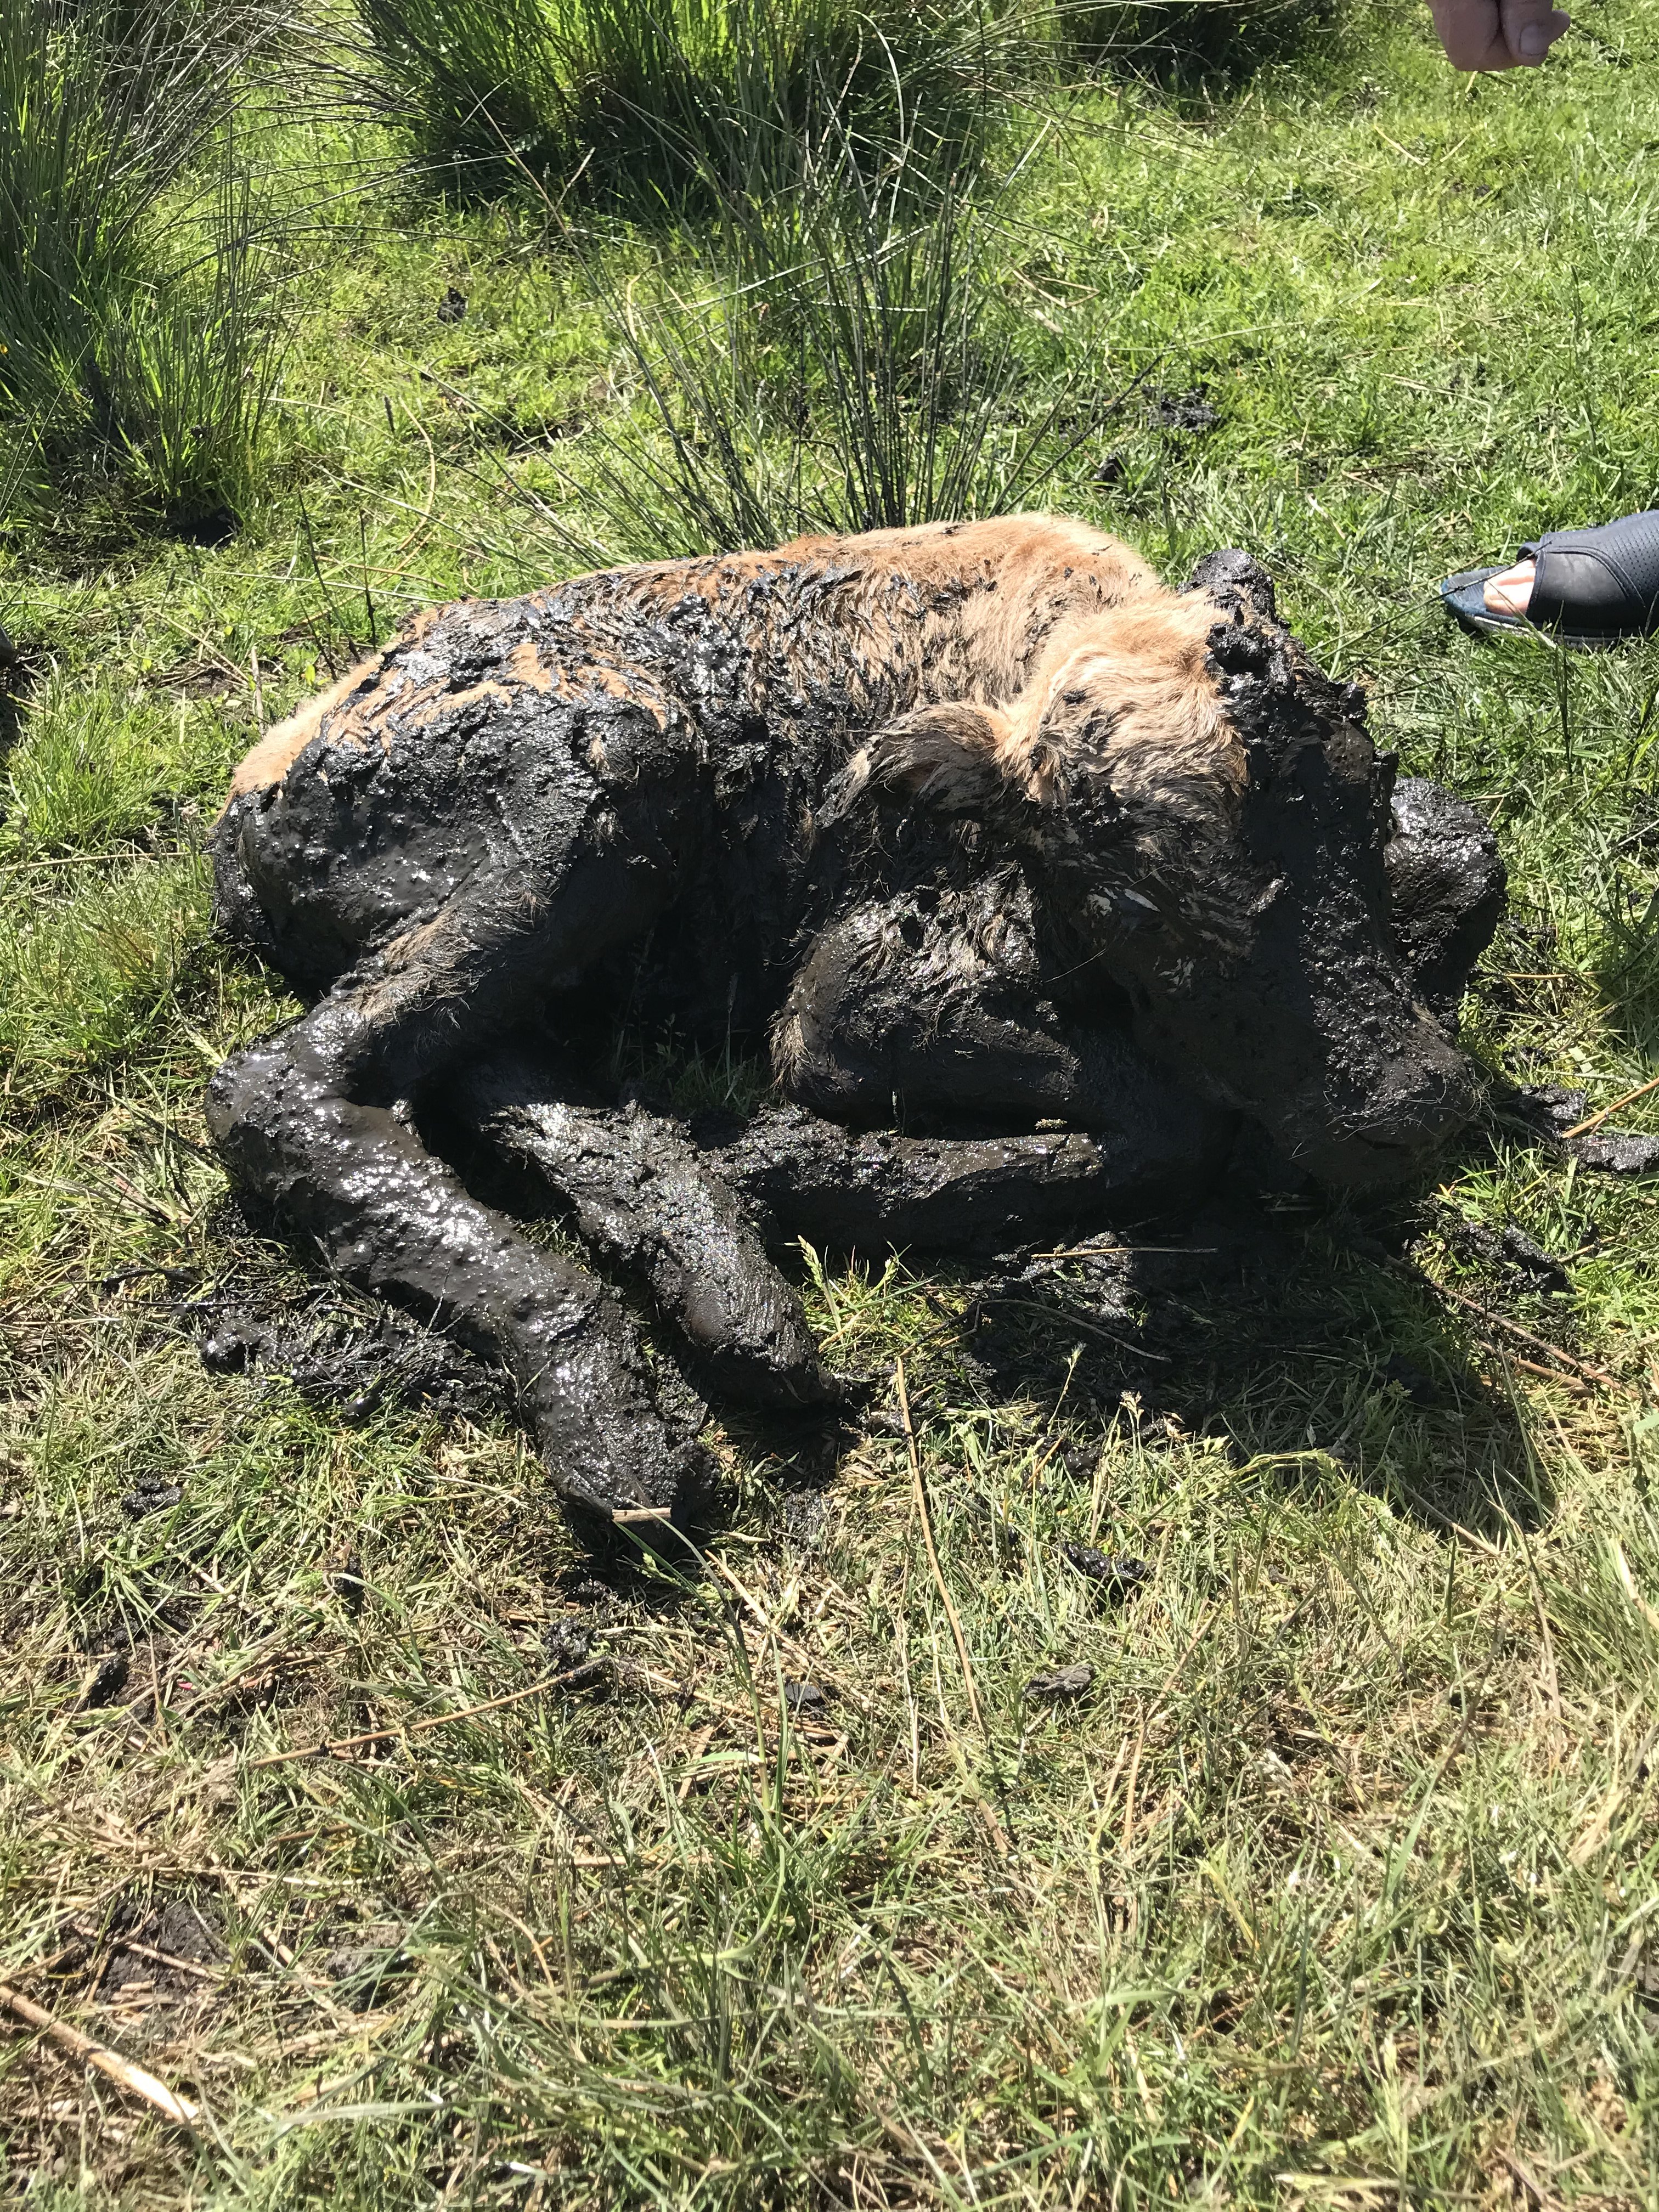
{"x": 932, "y": 1004}
{"x": 647, "y": 1202}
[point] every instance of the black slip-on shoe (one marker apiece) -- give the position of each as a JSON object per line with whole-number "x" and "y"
{"x": 1592, "y": 587}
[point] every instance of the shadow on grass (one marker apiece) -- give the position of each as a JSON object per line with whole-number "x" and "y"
{"x": 14, "y": 684}
{"x": 1194, "y": 53}
{"x": 1295, "y": 1329}
{"x": 1338, "y": 1364}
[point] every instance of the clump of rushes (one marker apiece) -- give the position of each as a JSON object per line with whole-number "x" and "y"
{"x": 653, "y": 100}
{"x": 858, "y": 367}
{"x": 1190, "y": 44}
{"x": 194, "y": 357}
{"x": 138, "y": 313}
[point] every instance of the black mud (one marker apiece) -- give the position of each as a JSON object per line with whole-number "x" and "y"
{"x": 649, "y": 1204}
{"x": 1447, "y": 888}
{"x": 607, "y": 805}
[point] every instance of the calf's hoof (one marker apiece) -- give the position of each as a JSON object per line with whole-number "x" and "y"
{"x": 615, "y": 1435}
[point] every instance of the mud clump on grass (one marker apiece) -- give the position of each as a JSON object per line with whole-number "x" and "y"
{"x": 1615, "y": 1152}
{"x": 1114, "y": 1574}
{"x": 1190, "y": 413}
{"x": 568, "y": 1643}
{"x": 1548, "y": 1113}
{"x": 176, "y": 1951}
{"x": 338, "y": 1358}
{"x": 151, "y": 1494}
{"x": 106, "y": 1684}
{"x": 1064, "y": 1683}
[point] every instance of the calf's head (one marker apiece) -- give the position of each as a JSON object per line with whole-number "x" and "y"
{"x": 1203, "y": 811}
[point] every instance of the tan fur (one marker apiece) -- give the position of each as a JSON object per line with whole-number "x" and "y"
{"x": 270, "y": 761}
{"x": 530, "y": 669}
{"x": 989, "y": 595}
{"x": 991, "y": 626}
{"x": 1126, "y": 693}
{"x": 953, "y": 755}
{"x": 282, "y": 744}
{"x": 787, "y": 1046}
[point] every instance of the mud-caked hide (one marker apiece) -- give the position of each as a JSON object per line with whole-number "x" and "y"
{"x": 1250, "y": 924}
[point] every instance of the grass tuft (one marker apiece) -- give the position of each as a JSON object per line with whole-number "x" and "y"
{"x": 652, "y": 101}
{"x": 1188, "y": 46}
{"x": 142, "y": 316}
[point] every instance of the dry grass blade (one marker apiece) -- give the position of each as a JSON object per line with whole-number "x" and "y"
{"x": 1594, "y": 1120}
{"x": 925, "y": 1518}
{"x": 135, "y": 2080}
{"x": 337, "y": 1746}
{"x": 1568, "y": 1359}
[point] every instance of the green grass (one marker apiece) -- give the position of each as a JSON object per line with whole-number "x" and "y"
{"x": 143, "y": 310}
{"x": 1337, "y": 1886}
{"x": 652, "y": 103}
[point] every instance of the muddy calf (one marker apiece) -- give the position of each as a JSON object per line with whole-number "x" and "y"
{"x": 976, "y": 823}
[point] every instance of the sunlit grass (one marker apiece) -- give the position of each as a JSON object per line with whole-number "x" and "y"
{"x": 1335, "y": 1882}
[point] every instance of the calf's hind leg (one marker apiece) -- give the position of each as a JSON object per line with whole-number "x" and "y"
{"x": 312, "y": 1119}
{"x": 647, "y": 1202}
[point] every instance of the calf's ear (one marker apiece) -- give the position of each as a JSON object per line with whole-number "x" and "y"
{"x": 954, "y": 757}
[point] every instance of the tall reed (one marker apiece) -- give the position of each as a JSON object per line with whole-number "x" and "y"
{"x": 856, "y": 367}
{"x": 136, "y": 312}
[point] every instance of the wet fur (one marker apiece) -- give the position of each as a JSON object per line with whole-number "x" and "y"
{"x": 724, "y": 793}
{"x": 970, "y": 613}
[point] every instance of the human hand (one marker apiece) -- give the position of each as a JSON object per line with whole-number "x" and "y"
{"x": 1496, "y": 34}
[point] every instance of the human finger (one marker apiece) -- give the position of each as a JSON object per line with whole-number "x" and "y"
{"x": 1471, "y": 32}
{"x": 1530, "y": 27}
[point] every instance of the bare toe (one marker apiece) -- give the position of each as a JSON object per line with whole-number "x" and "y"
{"x": 1511, "y": 592}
